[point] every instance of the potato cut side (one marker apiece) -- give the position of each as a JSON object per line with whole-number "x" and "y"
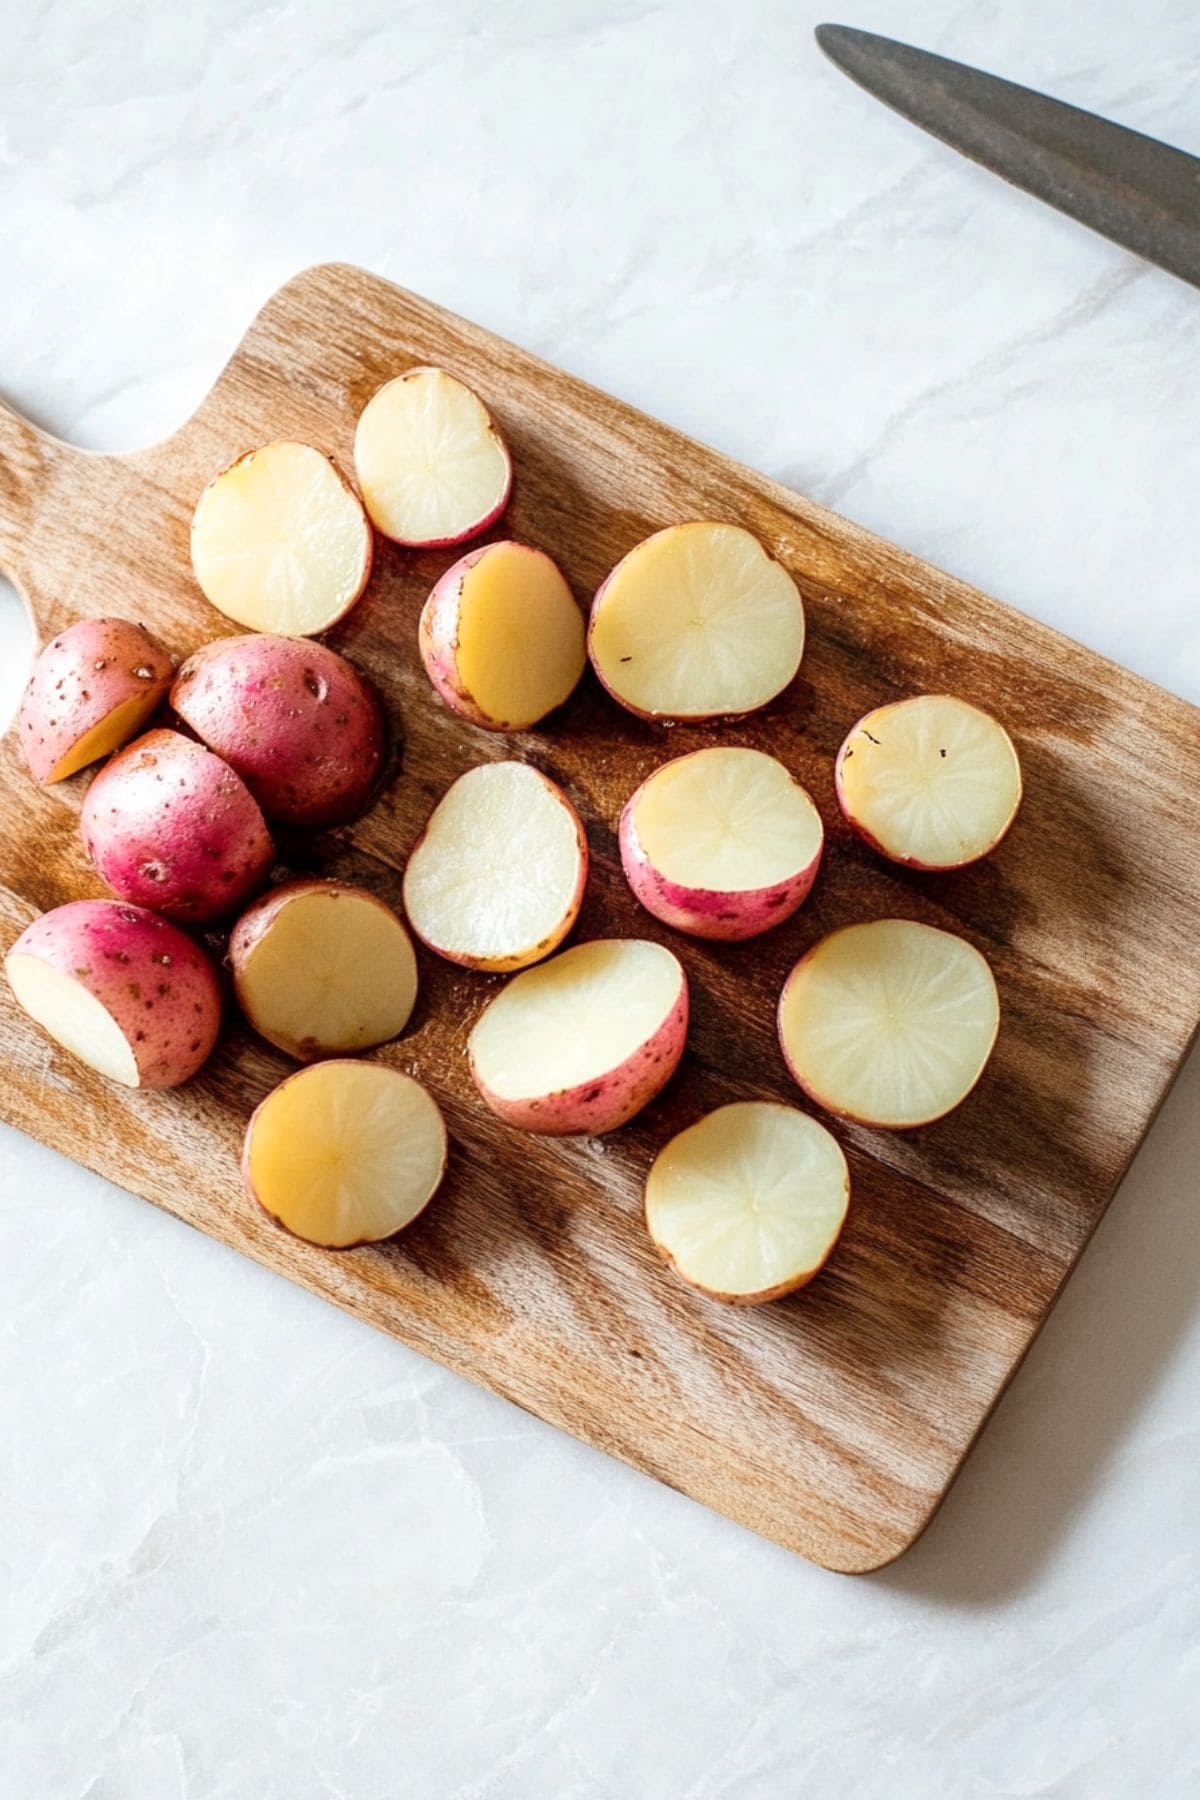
{"x": 730, "y": 820}
{"x": 497, "y": 877}
{"x": 747, "y": 1204}
{"x": 932, "y": 782}
{"x": 432, "y": 467}
{"x": 889, "y": 1023}
{"x": 345, "y": 1153}
{"x": 73, "y": 1017}
{"x": 122, "y": 723}
{"x": 697, "y": 621}
{"x": 323, "y": 970}
{"x": 575, "y": 1019}
{"x": 280, "y": 543}
{"x": 502, "y": 632}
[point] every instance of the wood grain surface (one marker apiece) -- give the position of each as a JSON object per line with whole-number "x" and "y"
{"x": 833, "y": 1421}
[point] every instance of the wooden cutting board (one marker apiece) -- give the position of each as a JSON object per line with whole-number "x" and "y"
{"x": 833, "y": 1421}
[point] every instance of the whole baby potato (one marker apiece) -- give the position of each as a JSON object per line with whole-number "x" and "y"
{"x": 170, "y": 826}
{"x": 299, "y": 724}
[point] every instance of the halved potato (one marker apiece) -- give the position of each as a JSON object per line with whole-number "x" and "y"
{"x": 889, "y": 1023}
{"x": 120, "y": 988}
{"x": 431, "y": 464}
{"x": 721, "y": 843}
{"x": 496, "y": 879}
{"x": 501, "y": 637}
{"x": 585, "y": 1041}
{"x": 280, "y": 542}
{"x": 748, "y": 1203}
{"x": 932, "y": 782}
{"x": 323, "y": 969}
{"x": 698, "y": 621}
{"x": 345, "y": 1153}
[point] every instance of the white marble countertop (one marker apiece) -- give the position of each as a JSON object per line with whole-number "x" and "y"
{"x": 250, "y": 1550}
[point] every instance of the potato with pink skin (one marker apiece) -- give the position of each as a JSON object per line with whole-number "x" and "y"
{"x": 298, "y": 723}
{"x": 169, "y": 825}
{"x": 123, "y": 990}
{"x": 723, "y": 844}
{"x": 92, "y": 688}
{"x": 585, "y": 1041}
{"x": 502, "y": 638}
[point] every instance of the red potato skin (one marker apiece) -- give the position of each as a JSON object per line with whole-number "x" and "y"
{"x": 437, "y": 640}
{"x": 707, "y": 912}
{"x": 841, "y": 1112}
{"x": 158, "y": 985}
{"x": 167, "y": 824}
{"x": 79, "y": 678}
{"x": 905, "y": 862}
{"x": 298, "y": 723}
{"x": 335, "y": 1249}
{"x": 596, "y": 1107}
{"x": 510, "y": 965}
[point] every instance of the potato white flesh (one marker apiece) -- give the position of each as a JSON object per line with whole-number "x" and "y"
{"x": 280, "y": 543}
{"x": 585, "y": 1041}
{"x": 747, "y": 1204}
{"x": 120, "y": 988}
{"x": 432, "y": 467}
{"x": 724, "y": 843}
{"x": 932, "y": 782}
{"x": 501, "y": 637}
{"x": 321, "y": 969}
{"x": 73, "y": 1017}
{"x": 889, "y": 1023}
{"x": 496, "y": 879}
{"x": 697, "y": 621}
{"x": 345, "y": 1153}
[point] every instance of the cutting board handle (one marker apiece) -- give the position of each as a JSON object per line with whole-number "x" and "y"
{"x": 21, "y": 459}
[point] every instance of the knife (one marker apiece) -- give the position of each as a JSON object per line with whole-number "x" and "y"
{"x": 1142, "y": 194}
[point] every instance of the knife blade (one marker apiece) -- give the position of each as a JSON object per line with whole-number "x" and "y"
{"x": 1142, "y": 194}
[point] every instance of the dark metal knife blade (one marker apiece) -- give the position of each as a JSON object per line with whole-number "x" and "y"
{"x": 1142, "y": 194}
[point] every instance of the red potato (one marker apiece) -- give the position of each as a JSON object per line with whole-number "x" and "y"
{"x": 169, "y": 825}
{"x": 585, "y": 1041}
{"x": 323, "y": 969}
{"x": 748, "y": 1203}
{"x": 121, "y": 989}
{"x": 345, "y": 1153}
{"x": 501, "y": 637}
{"x": 496, "y": 879}
{"x": 931, "y": 782}
{"x": 431, "y": 464}
{"x": 92, "y": 688}
{"x": 889, "y": 1023}
{"x": 280, "y": 541}
{"x": 298, "y": 723}
{"x": 723, "y": 843}
{"x": 697, "y": 622}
